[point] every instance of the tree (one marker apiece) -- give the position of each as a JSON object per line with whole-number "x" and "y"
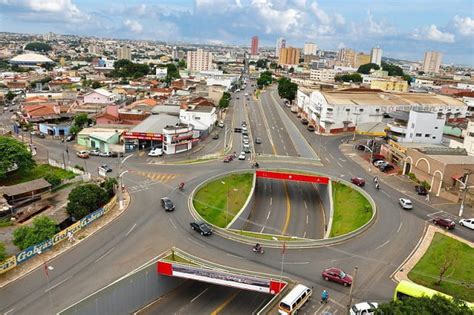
{"x": 172, "y": 73}
{"x": 437, "y": 305}
{"x": 262, "y": 63}
{"x": 124, "y": 68}
{"x": 80, "y": 121}
{"x": 84, "y": 199}
{"x": 353, "y": 77}
{"x": 287, "y": 89}
{"x": 264, "y": 79}
{"x": 96, "y": 85}
{"x": 407, "y": 78}
{"x": 292, "y": 70}
{"x": 53, "y": 179}
{"x": 14, "y": 152}
{"x": 3, "y": 252}
{"x": 38, "y": 46}
{"x": 182, "y": 64}
{"x": 392, "y": 69}
{"x": 450, "y": 258}
{"x": 225, "y": 100}
{"x": 42, "y": 229}
{"x": 109, "y": 185}
{"x": 10, "y": 96}
{"x": 365, "y": 69}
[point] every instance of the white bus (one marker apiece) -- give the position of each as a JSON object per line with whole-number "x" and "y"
{"x": 294, "y": 300}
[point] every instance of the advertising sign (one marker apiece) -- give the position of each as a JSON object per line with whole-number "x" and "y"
{"x": 143, "y": 136}
{"x": 293, "y": 177}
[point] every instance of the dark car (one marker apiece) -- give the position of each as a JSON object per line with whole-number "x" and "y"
{"x": 216, "y": 136}
{"x": 420, "y": 190}
{"x": 41, "y": 135}
{"x": 386, "y": 167}
{"x": 106, "y": 168}
{"x": 201, "y": 228}
{"x": 70, "y": 138}
{"x": 167, "y": 204}
{"x": 258, "y": 140}
{"x": 360, "y": 147}
{"x": 311, "y": 128}
{"x": 337, "y": 275}
{"x": 238, "y": 130}
{"x": 446, "y": 223}
{"x": 304, "y": 121}
{"x": 359, "y": 181}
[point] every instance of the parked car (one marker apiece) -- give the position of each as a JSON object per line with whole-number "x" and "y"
{"x": 228, "y": 158}
{"x": 364, "y": 308}
{"x": 469, "y": 223}
{"x": 244, "y": 128}
{"x": 242, "y": 156}
{"x": 386, "y": 167}
{"x": 337, "y": 275}
{"x": 239, "y": 130}
{"x": 41, "y": 135}
{"x": 304, "y": 121}
{"x": 94, "y": 152}
{"x": 70, "y": 138}
{"x": 446, "y": 223}
{"x": 405, "y": 203}
{"x": 167, "y": 204}
{"x": 258, "y": 140}
{"x": 311, "y": 128}
{"x": 360, "y": 147}
{"x": 201, "y": 227}
{"x": 359, "y": 181}
{"x": 106, "y": 168}
{"x": 221, "y": 124}
{"x": 106, "y": 154}
{"x": 247, "y": 149}
{"x": 216, "y": 136}
{"x": 245, "y": 141}
{"x": 82, "y": 154}
{"x": 421, "y": 190}
{"x": 156, "y": 152}
{"x": 379, "y": 162}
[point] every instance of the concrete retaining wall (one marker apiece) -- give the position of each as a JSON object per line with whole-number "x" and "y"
{"x": 325, "y": 194}
{"x": 240, "y": 220}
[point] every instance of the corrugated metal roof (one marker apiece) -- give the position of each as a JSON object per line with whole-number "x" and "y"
{"x": 26, "y": 187}
{"x": 156, "y": 123}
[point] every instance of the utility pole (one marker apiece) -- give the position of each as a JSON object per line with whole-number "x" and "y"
{"x": 352, "y": 288}
{"x": 465, "y": 187}
{"x": 355, "y": 126}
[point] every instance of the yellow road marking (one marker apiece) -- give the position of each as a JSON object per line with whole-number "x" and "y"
{"x": 223, "y": 305}
{"x": 141, "y": 153}
{"x": 288, "y": 210}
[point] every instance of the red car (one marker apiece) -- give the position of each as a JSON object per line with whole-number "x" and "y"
{"x": 359, "y": 181}
{"x": 446, "y": 223}
{"x": 228, "y": 158}
{"x": 337, "y": 275}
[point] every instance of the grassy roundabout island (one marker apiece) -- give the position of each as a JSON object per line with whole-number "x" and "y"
{"x": 220, "y": 200}
{"x": 351, "y": 209}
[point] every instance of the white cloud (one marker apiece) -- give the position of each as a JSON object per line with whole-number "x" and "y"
{"x": 339, "y": 19}
{"x": 54, "y": 6}
{"x": 279, "y": 21}
{"x": 133, "y": 26}
{"x": 320, "y": 14}
{"x": 432, "y": 33}
{"x": 374, "y": 26}
{"x": 464, "y": 25}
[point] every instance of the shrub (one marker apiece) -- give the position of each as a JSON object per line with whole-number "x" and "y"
{"x": 426, "y": 185}
{"x": 84, "y": 199}
{"x": 53, "y": 179}
{"x": 3, "y": 252}
{"x": 79, "y": 167}
{"x": 412, "y": 177}
{"x": 109, "y": 185}
{"x": 42, "y": 229}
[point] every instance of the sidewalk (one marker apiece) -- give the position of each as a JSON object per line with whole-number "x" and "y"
{"x": 403, "y": 184}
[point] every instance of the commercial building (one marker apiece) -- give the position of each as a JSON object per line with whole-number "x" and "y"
{"x": 376, "y": 56}
{"x": 362, "y": 59}
{"x": 416, "y": 126}
{"x": 202, "y": 118}
{"x": 30, "y": 60}
{"x": 199, "y": 60}
{"x": 310, "y": 49}
{"x": 432, "y": 61}
{"x": 254, "y": 46}
{"x": 347, "y": 57}
{"x": 323, "y": 75}
{"x": 348, "y": 110}
{"x": 389, "y": 85}
{"x": 102, "y": 139}
{"x": 281, "y": 43}
{"x": 289, "y": 56}
{"x": 124, "y": 52}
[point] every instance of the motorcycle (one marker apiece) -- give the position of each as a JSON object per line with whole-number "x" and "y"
{"x": 181, "y": 186}
{"x": 377, "y": 186}
{"x": 255, "y": 165}
{"x": 257, "y": 250}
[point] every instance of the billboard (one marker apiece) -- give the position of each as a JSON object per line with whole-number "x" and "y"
{"x": 293, "y": 177}
{"x": 143, "y": 136}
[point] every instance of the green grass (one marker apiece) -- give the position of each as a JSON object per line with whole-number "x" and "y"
{"x": 5, "y": 223}
{"x": 459, "y": 279}
{"x": 265, "y": 236}
{"x": 351, "y": 209}
{"x": 38, "y": 171}
{"x": 211, "y": 200}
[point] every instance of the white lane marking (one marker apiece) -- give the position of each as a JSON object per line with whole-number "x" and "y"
{"x": 130, "y": 231}
{"x": 172, "y": 223}
{"x": 57, "y": 284}
{"x": 268, "y": 215}
{"x": 332, "y": 157}
{"x": 340, "y": 165}
{"x": 296, "y": 263}
{"x": 9, "y": 311}
{"x": 380, "y": 246}
{"x": 197, "y": 243}
{"x": 197, "y": 296}
{"x": 307, "y": 219}
{"x": 399, "y": 227}
{"x": 106, "y": 253}
{"x": 235, "y": 256}
{"x": 271, "y": 200}
{"x": 306, "y": 206}
{"x": 304, "y": 234}
{"x": 386, "y": 194}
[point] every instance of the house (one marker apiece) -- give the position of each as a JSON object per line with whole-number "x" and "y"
{"x": 55, "y": 130}
{"x": 42, "y": 110}
{"x": 100, "y": 96}
{"x": 120, "y": 116}
{"x": 100, "y": 138}
{"x": 201, "y": 117}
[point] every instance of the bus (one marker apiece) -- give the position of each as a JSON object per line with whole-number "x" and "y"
{"x": 407, "y": 289}
{"x": 294, "y": 300}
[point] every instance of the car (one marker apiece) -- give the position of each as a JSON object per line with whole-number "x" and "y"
{"x": 70, "y": 138}
{"x": 5, "y": 108}
{"x": 239, "y": 130}
{"x": 247, "y": 149}
{"x": 201, "y": 227}
{"x": 244, "y": 128}
{"x": 304, "y": 121}
{"x": 386, "y": 167}
{"x": 360, "y": 147}
{"x": 106, "y": 168}
{"x": 216, "y": 136}
{"x": 228, "y": 158}
{"x": 245, "y": 141}
{"x": 421, "y": 190}
{"x": 83, "y": 154}
{"x": 156, "y": 152}
{"x": 106, "y": 154}
{"x": 469, "y": 223}
{"x": 446, "y": 223}
{"x": 221, "y": 124}
{"x": 167, "y": 204}
{"x": 359, "y": 181}
{"x": 246, "y": 137}
{"x": 311, "y": 128}
{"x": 258, "y": 140}
{"x": 41, "y": 135}
{"x": 245, "y": 133}
{"x": 378, "y": 162}
{"x": 337, "y": 275}
{"x": 94, "y": 152}
{"x": 243, "y": 123}
{"x": 238, "y": 98}
{"x": 242, "y": 156}
{"x": 364, "y": 308}
{"x": 405, "y": 203}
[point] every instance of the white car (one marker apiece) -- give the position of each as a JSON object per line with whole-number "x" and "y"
{"x": 405, "y": 203}
{"x": 244, "y": 128}
{"x": 379, "y": 162}
{"x": 364, "y": 308}
{"x": 245, "y": 141}
{"x": 156, "y": 152}
{"x": 242, "y": 156}
{"x": 469, "y": 223}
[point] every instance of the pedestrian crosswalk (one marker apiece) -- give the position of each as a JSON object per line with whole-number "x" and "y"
{"x": 158, "y": 177}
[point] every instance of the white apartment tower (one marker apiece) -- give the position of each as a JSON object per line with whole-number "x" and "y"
{"x": 310, "y": 49}
{"x": 432, "y": 61}
{"x": 124, "y": 52}
{"x": 376, "y": 56}
{"x": 199, "y": 60}
{"x": 281, "y": 43}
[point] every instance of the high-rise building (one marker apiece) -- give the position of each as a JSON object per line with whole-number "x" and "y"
{"x": 347, "y": 57}
{"x": 124, "y": 52}
{"x": 93, "y": 49}
{"x": 289, "y": 56}
{"x": 432, "y": 61}
{"x": 199, "y": 60}
{"x": 362, "y": 59}
{"x": 281, "y": 43}
{"x": 310, "y": 49}
{"x": 174, "y": 53}
{"x": 254, "y": 46}
{"x": 376, "y": 56}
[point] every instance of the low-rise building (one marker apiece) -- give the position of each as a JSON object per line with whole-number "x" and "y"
{"x": 389, "y": 85}
{"x": 100, "y": 138}
{"x": 201, "y": 117}
{"x": 416, "y": 126}
{"x": 322, "y": 75}
{"x": 99, "y": 96}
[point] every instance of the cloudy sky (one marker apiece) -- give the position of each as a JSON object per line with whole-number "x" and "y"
{"x": 402, "y": 28}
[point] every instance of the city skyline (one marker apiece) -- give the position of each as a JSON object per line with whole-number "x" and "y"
{"x": 403, "y": 30}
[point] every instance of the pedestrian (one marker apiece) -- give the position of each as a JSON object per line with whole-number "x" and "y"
{"x": 427, "y": 197}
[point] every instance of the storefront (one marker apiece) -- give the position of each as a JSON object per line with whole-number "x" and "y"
{"x": 135, "y": 141}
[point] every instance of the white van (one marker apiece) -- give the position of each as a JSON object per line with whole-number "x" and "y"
{"x": 294, "y": 300}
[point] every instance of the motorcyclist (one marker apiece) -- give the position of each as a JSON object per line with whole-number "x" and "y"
{"x": 256, "y": 165}
{"x": 181, "y": 186}
{"x": 377, "y": 186}
{"x": 257, "y": 247}
{"x": 324, "y": 296}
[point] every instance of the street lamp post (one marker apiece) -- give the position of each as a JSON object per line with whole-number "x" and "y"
{"x": 282, "y": 261}
{"x": 120, "y": 182}
{"x": 352, "y": 288}
{"x": 46, "y": 272}
{"x": 465, "y": 188}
